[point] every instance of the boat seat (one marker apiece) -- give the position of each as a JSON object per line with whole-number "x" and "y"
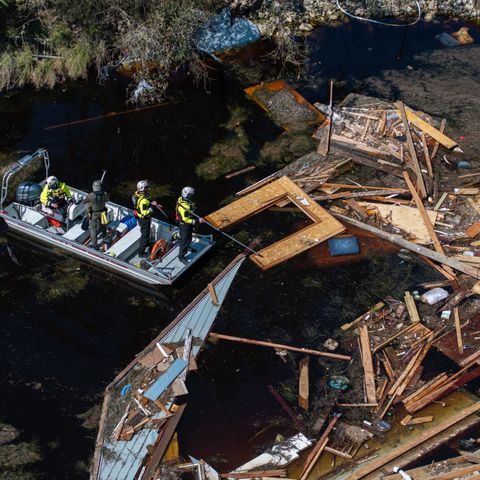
{"x": 126, "y": 246}
{"x": 34, "y": 218}
{"x": 77, "y": 234}
{"x": 76, "y": 210}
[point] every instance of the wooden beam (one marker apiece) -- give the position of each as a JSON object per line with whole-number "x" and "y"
{"x": 392, "y": 338}
{"x": 443, "y": 124}
{"x": 281, "y": 472}
{"x": 428, "y": 129}
{"x": 367, "y": 364}
{"x": 458, "y": 330}
{"x": 411, "y": 307}
{"x": 338, "y": 453}
{"x": 427, "y": 155}
{"x": 413, "y": 153}
{"x": 420, "y": 420}
{"x": 419, "y": 249}
{"x": 418, "y": 439}
{"x": 261, "y": 343}
{"x": 318, "y": 448}
{"x": 295, "y": 418}
{"x": 213, "y": 294}
{"x": 400, "y": 382}
{"x": 303, "y": 383}
{"x": 376, "y": 307}
{"x": 423, "y": 213}
{"x": 162, "y": 443}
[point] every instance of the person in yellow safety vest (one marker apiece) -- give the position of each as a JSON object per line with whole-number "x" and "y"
{"x": 55, "y": 195}
{"x": 143, "y": 212}
{"x": 186, "y": 221}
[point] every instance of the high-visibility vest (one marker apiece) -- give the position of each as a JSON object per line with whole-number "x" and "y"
{"x": 142, "y": 204}
{"x": 183, "y": 211}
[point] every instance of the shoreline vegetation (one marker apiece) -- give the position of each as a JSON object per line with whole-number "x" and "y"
{"x": 44, "y": 43}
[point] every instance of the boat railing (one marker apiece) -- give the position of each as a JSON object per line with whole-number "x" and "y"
{"x": 23, "y": 162}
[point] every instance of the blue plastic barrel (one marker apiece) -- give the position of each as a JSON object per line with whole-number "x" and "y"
{"x": 343, "y": 246}
{"x": 130, "y": 221}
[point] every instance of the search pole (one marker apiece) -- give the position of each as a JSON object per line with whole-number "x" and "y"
{"x": 103, "y": 176}
{"x": 161, "y": 210}
{"x": 226, "y": 234}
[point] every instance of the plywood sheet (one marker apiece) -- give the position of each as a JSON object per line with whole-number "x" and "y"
{"x": 295, "y": 244}
{"x": 406, "y": 218}
{"x": 325, "y": 226}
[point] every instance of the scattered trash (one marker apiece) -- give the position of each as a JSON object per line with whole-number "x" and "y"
{"x": 447, "y": 40}
{"x": 343, "y": 246}
{"x": 339, "y": 382}
{"x": 462, "y": 36}
{"x": 434, "y": 296}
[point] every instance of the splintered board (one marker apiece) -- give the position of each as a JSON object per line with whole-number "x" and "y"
{"x": 324, "y": 227}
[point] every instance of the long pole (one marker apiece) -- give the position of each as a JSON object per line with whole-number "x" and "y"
{"x": 261, "y": 343}
{"x": 226, "y": 234}
{"x": 103, "y": 176}
{"x": 162, "y": 211}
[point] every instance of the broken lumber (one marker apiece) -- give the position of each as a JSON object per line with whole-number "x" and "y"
{"x": 303, "y": 383}
{"x": 414, "y": 442}
{"x": 261, "y": 343}
{"x": 411, "y": 308}
{"x": 413, "y": 153}
{"x": 423, "y": 213}
{"x": 420, "y": 420}
{"x": 367, "y": 364}
{"x": 376, "y": 307}
{"x": 213, "y": 294}
{"x": 318, "y": 448}
{"x": 420, "y": 250}
{"x": 296, "y": 420}
{"x": 428, "y": 129}
{"x": 443, "y": 124}
{"x": 255, "y": 474}
{"x": 458, "y": 330}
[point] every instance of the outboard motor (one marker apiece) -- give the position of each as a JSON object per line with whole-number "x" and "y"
{"x": 28, "y": 193}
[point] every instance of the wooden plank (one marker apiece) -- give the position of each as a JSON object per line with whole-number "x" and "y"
{"x": 459, "y": 473}
{"x": 314, "y": 460}
{"x": 413, "y": 153}
{"x": 347, "y": 195}
{"x": 280, "y": 346}
{"x": 213, "y": 294}
{"x": 357, "y": 404}
{"x": 426, "y": 155}
{"x": 377, "y": 166}
{"x": 473, "y": 230}
{"x": 286, "y": 407}
{"x": 423, "y": 213}
{"x": 239, "y": 172}
{"x": 367, "y": 364}
{"x": 443, "y": 125}
{"x": 338, "y": 453}
{"x": 407, "y": 218}
{"x": 376, "y": 307}
{"x": 297, "y": 243}
{"x": 414, "y": 368}
{"x": 420, "y": 438}
{"x": 420, "y": 420}
{"x": 419, "y": 249}
{"x": 442, "y": 199}
{"x": 279, "y": 472}
{"x": 303, "y": 383}
{"x": 400, "y": 382}
{"x": 419, "y": 473}
{"x": 428, "y": 129}
{"x": 470, "y": 456}
{"x": 162, "y": 443}
{"x": 431, "y": 385}
{"x": 411, "y": 307}
{"x": 458, "y": 330}
{"x": 404, "y": 421}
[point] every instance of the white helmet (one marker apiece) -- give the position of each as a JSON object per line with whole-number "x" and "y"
{"x": 52, "y": 181}
{"x": 142, "y": 185}
{"x": 188, "y": 192}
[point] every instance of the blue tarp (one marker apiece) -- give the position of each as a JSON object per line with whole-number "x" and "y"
{"x": 221, "y": 33}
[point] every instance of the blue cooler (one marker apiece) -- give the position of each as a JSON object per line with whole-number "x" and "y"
{"x": 343, "y": 246}
{"x": 130, "y": 221}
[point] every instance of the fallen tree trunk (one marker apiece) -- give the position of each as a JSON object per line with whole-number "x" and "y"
{"x": 419, "y": 249}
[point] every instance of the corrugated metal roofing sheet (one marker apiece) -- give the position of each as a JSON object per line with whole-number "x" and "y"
{"x": 124, "y": 458}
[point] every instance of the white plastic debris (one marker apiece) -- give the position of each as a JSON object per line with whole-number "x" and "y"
{"x": 434, "y": 296}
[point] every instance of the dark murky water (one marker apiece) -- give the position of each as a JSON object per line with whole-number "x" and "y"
{"x": 59, "y": 352}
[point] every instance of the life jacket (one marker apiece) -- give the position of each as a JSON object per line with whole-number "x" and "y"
{"x": 141, "y": 204}
{"x": 182, "y": 211}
